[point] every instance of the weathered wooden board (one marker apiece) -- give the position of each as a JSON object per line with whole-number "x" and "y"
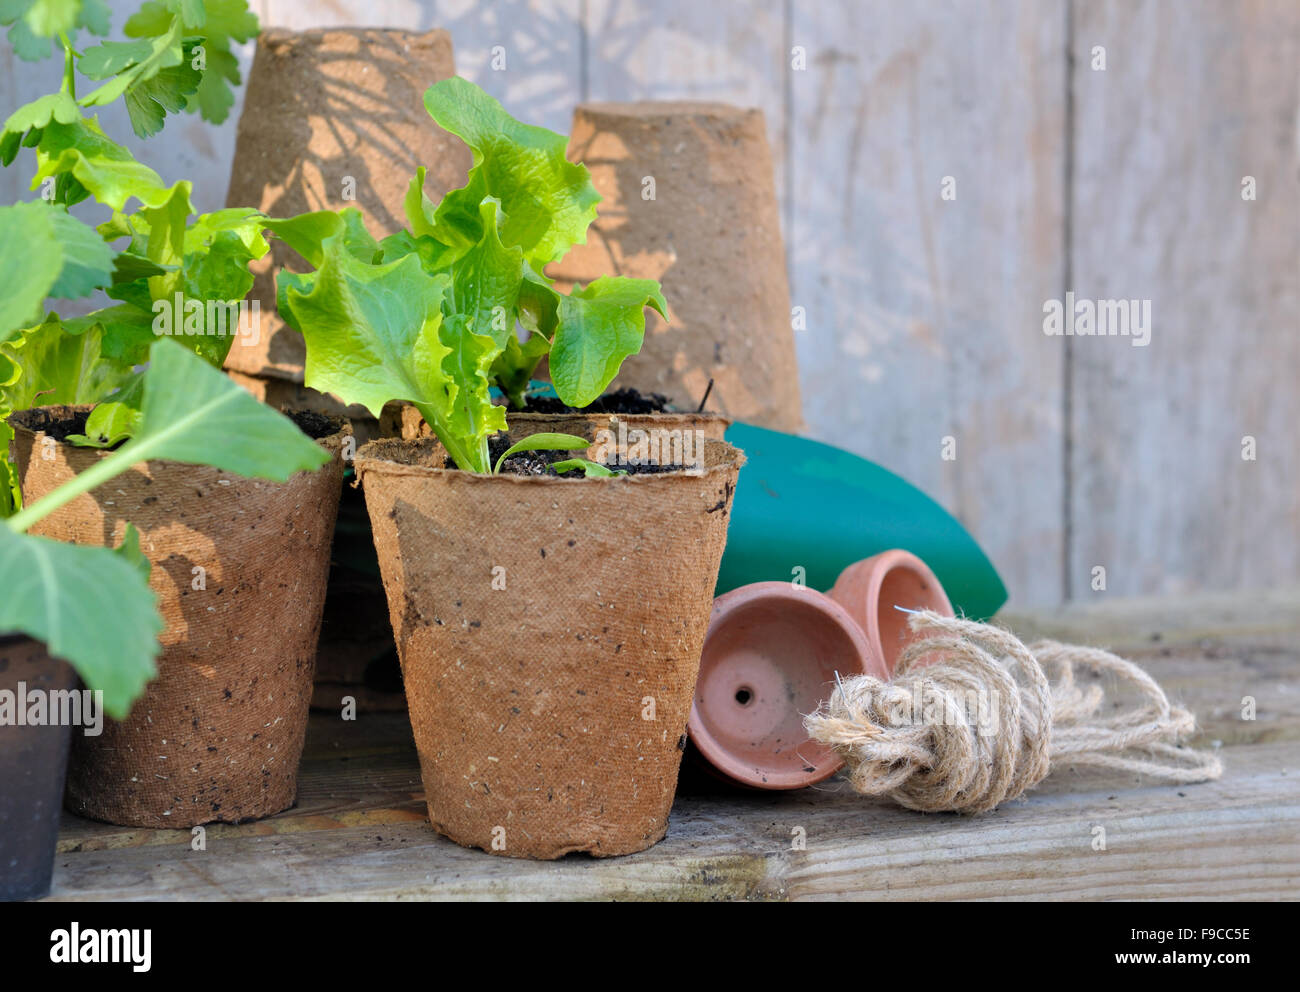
{"x": 924, "y": 314}
{"x": 685, "y": 50}
{"x": 359, "y": 829}
{"x": 1195, "y": 97}
{"x": 537, "y": 65}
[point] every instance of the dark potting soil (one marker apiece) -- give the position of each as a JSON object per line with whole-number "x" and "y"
{"x": 314, "y": 425}
{"x": 57, "y": 422}
{"x": 60, "y": 422}
{"x": 620, "y": 401}
{"x": 541, "y": 462}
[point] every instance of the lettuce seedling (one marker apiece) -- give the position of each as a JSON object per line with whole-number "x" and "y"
{"x": 589, "y": 468}
{"x": 93, "y": 607}
{"x": 430, "y": 315}
{"x": 542, "y": 441}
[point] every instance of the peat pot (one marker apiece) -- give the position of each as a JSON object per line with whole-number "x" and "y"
{"x": 549, "y": 632}
{"x": 33, "y": 760}
{"x": 356, "y": 656}
{"x": 239, "y": 567}
{"x": 330, "y": 115}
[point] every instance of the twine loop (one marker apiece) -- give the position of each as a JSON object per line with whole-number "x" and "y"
{"x": 974, "y": 717}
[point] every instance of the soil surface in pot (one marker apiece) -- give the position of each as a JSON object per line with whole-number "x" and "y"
{"x": 59, "y": 422}
{"x": 619, "y": 401}
{"x": 56, "y": 421}
{"x": 542, "y": 462}
{"x": 314, "y": 425}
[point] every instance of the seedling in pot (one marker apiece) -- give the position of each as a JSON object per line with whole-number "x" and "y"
{"x": 542, "y": 442}
{"x": 588, "y": 468}
{"x": 92, "y": 607}
{"x": 429, "y": 315}
{"x": 172, "y": 274}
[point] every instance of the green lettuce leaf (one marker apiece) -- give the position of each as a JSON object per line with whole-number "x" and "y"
{"x": 108, "y": 425}
{"x": 307, "y": 234}
{"x": 431, "y": 317}
{"x": 485, "y": 281}
{"x": 81, "y": 360}
{"x": 205, "y": 260}
{"x": 375, "y": 334}
{"x": 598, "y": 327}
{"x": 419, "y": 208}
{"x": 548, "y": 201}
{"x": 513, "y": 369}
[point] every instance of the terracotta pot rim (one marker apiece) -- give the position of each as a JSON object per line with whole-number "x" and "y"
{"x": 710, "y": 749}
{"x": 895, "y": 559}
{"x": 370, "y": 458}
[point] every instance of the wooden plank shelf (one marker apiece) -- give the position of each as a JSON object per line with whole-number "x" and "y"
{"x": 359, "y": 829}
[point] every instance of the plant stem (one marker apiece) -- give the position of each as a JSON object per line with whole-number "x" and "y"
{"x": 95, "y": 476}
{"x": 462, "y": 455}
{"x": 69, "y": 75}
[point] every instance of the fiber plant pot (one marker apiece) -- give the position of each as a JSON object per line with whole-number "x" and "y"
{"x": 334, "y": 118}
{"x": 33, "y": 762}
{"x": 688, "y": 197}
{"x": 549, "y": 632}
{"x": 871, "y": 589}
{"x": 239, "y": 567}
{"x": 771, "y": 656}
{"x": 356, "y": 656}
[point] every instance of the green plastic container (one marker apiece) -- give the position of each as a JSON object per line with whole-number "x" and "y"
{"x": 804, "y": 504}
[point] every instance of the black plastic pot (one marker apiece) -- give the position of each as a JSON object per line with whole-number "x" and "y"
{"x": 33, "y": 763}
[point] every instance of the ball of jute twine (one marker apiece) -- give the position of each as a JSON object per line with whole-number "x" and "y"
{"x": 970, "y": 719}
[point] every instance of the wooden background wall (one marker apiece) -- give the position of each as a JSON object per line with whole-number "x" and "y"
{"x": 924, "y": 316}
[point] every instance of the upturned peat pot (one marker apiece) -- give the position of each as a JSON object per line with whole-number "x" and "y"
{"x": 239, "y": 567}
{"x": 33, "y": 761}
{"x": 549, "y": 632}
